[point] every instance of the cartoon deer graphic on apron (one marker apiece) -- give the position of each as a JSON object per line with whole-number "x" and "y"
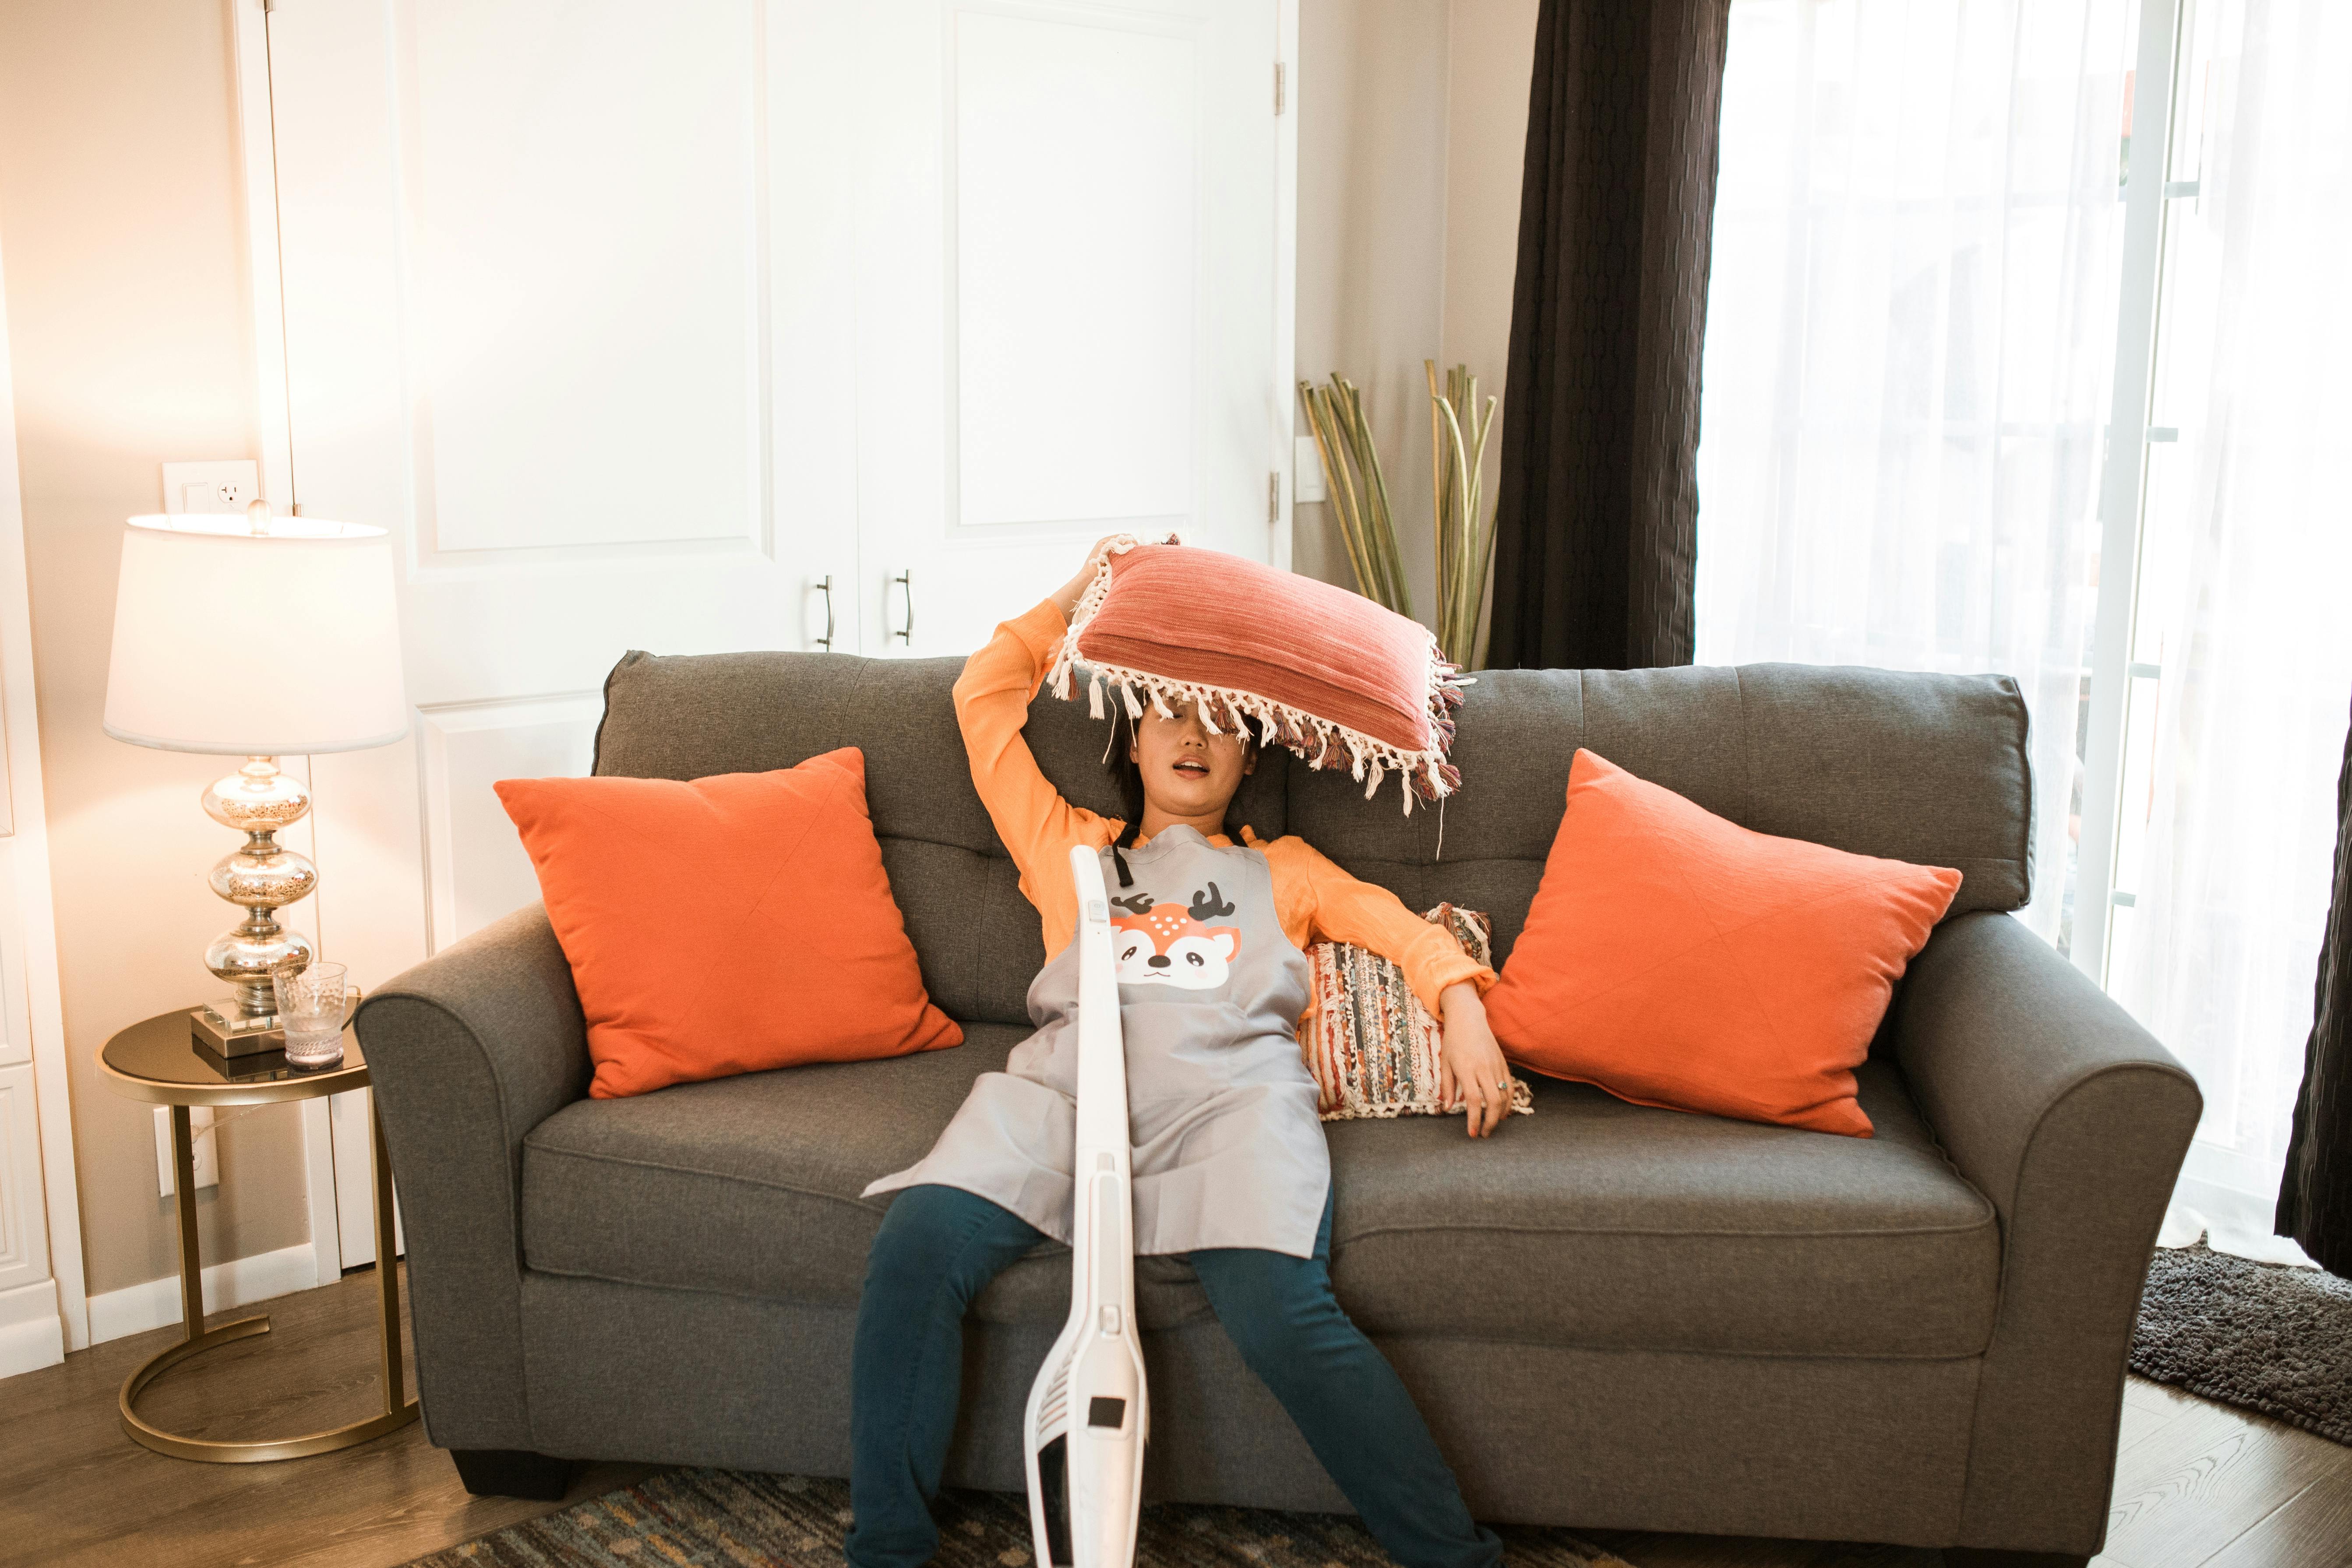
{"x": 1154, "y": 945}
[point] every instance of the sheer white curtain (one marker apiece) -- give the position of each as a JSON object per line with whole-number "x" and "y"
{"x": 1909, "y": 335}
{"x": 2246, "y": 608}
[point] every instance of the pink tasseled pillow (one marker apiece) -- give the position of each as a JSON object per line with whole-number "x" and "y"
{"x": 1324, "y": 672}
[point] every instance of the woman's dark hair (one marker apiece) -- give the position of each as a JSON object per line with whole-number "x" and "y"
{"x": 1129, "y": 777}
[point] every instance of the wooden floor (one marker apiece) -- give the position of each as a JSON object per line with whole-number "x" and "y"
{"x": 2196, "y": 1483}
{"x": 78, "y": 1493}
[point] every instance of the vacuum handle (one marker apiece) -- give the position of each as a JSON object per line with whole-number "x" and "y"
{"x": 1102, "y": 1123}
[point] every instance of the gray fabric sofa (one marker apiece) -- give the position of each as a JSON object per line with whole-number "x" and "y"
{"x": 1611, "y": 1315}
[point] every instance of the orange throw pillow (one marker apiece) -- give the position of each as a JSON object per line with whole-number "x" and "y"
{"x": 1678, "y": 960}
{"x": 729, "y": 925}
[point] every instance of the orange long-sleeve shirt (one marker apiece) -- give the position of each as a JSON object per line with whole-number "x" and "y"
{"x": 1314, "y": 899}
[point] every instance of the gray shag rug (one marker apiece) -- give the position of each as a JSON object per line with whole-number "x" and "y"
{"x": 731, "y": 1519}
{"x": 2260, "y": 1336}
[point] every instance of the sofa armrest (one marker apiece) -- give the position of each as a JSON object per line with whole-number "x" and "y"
{"x": 468, "y": 1051}
{"x": 2074, "y": 1120}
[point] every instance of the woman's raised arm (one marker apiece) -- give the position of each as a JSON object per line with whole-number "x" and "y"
{"x": 1035, "y": 824}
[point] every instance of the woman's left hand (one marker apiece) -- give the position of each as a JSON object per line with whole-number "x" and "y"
{"x": 1470, "y": 1066}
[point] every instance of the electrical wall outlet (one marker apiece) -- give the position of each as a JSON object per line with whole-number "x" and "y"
{"x": 228, "y": 485}
{"x": 207, "y": 1149}
{"x": 1307, "y": 471}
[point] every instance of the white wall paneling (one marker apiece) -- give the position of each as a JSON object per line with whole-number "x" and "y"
{"x": 1070, "y": 298}
{"x": 319, "y": 1191}
{"x": 31, "y": 1325}
{"x": 536, "y": 328}
{"x": 31, "y": 1331}
{"x": 1075, "y": 229}
{"x": 476, "y": 863}
{"x": 355, "y": 1181}
{"x": 24, "y": 1240}
{"x": 588, "y": 279}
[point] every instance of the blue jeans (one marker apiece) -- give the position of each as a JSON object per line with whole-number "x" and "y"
{"x": 939, "y": 1245}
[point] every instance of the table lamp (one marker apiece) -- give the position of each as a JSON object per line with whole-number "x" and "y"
{"x": 258, "y": 636}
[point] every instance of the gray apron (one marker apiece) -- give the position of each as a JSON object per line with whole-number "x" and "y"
{"x": 1228, "y": 1150}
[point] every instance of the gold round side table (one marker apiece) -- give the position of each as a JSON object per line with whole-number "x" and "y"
{"x": 158, "y": 1061}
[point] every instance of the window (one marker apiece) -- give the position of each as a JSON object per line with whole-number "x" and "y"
{"x": 1909, "y": 340}
{"x": 2016, "y": 365}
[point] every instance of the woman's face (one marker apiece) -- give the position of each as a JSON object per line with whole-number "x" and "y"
{"x": 1188, "y": 771}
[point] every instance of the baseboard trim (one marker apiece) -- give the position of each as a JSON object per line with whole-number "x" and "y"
{"x": 32, "y": 1334}
{"x": 135, "y": 1309}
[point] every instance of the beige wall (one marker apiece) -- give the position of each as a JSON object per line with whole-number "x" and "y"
{"x": 1490, "y": 51}
{"x": 1372, "y": 246}
{"x": 1412, "y": 123}
{"x": 121, "y": 217}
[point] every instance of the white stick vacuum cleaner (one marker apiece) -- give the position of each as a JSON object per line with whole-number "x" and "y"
{"x": 1083, "y": 1430}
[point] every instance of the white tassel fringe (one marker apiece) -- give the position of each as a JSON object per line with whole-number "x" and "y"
{"x": 1366, "y": 757}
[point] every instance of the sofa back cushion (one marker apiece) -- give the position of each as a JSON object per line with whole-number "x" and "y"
{"x": 1927, "y": 768}
{"x": 689, "y": 716}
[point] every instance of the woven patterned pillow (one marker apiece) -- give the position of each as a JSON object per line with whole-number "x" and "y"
{"x": 1374, "y": 1046}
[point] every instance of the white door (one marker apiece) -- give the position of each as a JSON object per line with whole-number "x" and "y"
{"x": 1072, "y": 304}
{"x": 559, "y": 312}
{"x": 640, "y": 325}
{"x": 43, "y": 1311}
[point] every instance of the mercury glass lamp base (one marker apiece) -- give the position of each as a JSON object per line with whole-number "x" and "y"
{"x": 261, "y": 876}
{"x": 224, "y": 1029}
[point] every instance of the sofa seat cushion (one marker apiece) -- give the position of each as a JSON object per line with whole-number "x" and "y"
{"x": 749, "y": 1186}
{"x": 1591, "y": 1223}
{"x": 1602, "y": 1224}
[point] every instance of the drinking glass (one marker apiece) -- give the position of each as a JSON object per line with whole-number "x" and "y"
{"x": 310, "y": 1008}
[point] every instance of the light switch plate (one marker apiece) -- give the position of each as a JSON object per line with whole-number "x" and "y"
{"x": 207, "y": 1149}
{"x": 229, "y": 484}
{"x": 1307, "y": 471}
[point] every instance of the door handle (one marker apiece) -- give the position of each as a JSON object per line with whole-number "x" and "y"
{"x": 824, "y": 585}
{"x": 906, "y": 580}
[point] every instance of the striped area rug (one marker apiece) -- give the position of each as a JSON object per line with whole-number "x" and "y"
{"x": 731, "y": 1519}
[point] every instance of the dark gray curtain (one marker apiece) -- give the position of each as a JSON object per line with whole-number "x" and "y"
{"x": 2314, "y": 1203}
{"x": 1599, "y": 499}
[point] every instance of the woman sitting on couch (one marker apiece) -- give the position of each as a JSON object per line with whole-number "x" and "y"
{"x": 1230, "y": 1168}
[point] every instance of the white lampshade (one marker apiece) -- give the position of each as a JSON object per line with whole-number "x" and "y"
{"x": 255, "y": 644}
